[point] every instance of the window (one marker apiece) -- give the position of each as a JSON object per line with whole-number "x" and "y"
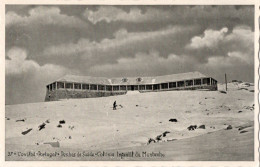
{"x": 156, "y": 87}
{"x": 116, "y": 88}
{"x": 122, "y": 87}
{"x": 85, "y": 86}
{"x": 189, "y": 83}
{"x": 141, "y": 87}
{"x": 109, "y": 88}
{"x": 172, "y": 85}
{"x": 149, "y": 87}
{"x": 197, "y": 82}
{"x": 214, "y": 82}
{"x": 180, "y": 84}
{"x": 54, "y": 86}
{"x": 164, "y": 85}
{"x": 135, "y": 87}
{"x": 77, "y": 86}
{"x": 60, "y": 85}
{"x": 101, "y": 87}
{"x": 93, "y": 87}
{"x": 206, "y": 81}
{"x": 69, "y": 86}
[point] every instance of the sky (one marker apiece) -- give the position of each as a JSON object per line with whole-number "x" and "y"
{"x": 44, "y": 43}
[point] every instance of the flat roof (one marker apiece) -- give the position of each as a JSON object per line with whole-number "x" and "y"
{"x": 131, "y": 80}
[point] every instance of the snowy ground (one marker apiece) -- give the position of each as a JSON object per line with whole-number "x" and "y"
{"x": 91, "y": 125}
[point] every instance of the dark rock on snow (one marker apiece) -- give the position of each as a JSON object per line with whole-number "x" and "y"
{"x": 202, "y": 127}
{"x": 244, "y": 131}
{"x": 20, "y": 120}
{"x": 158, "y": 138}
{"x": 150, "y": 141}
{"x": 165, "y": 133}
{"x": 62, "y": 122}
{"x": 192, "y": 127}
{"x": 229, "y": 127}
{"x": 27, "y": 131}
{"x": 221, "y": 91}
{"x": 173, "y": 120}
{"x": 42, "y": 126}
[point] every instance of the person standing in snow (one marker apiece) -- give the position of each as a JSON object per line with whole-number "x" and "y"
{"x": 114, "y": 105}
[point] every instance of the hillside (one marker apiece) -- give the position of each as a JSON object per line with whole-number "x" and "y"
{"x": 92, "y": 125}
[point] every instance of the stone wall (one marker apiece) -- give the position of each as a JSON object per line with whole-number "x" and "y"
{"x": 69, "y": 94}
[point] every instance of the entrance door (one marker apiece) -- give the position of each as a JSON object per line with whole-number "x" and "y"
{"x": 132, "y": 88}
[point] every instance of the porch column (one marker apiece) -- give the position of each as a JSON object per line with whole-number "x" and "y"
{"x": 81, "y": 86}
{"x": 193, "y": 82}
{"x": 112, "y": 88}
{"x": 105, "y": 88}
{"x": 119, "y": 88}
{"x": 97, "y": 87}
{"x": 144, "y": 87}
{"x": 168, "y": 86}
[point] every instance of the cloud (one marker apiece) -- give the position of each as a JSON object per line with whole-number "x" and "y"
{"x": 232, "y": 59}
{"x": 148, "y": 64}
{"x": 153, "y": 64}
{"x": 123, "y": 44}
{"x": 139, "y": 40}
{"x": 241, "y": 36}
{"x": 43, "y": 15}
{"x": 210, "y": 39}
{"x": 127, "y": 52}
{"x": 169, "y": 13}
{"x": 111, "y": 13}
{"x": 238, "y": 43}
{"x": 17, "y": 63}
{"x": 26, "y": 78}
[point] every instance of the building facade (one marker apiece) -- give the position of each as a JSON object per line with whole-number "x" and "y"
{"x": 71, "y": 86}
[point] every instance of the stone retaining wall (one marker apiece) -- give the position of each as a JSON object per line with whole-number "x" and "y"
{"x": 69, "y": 94}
